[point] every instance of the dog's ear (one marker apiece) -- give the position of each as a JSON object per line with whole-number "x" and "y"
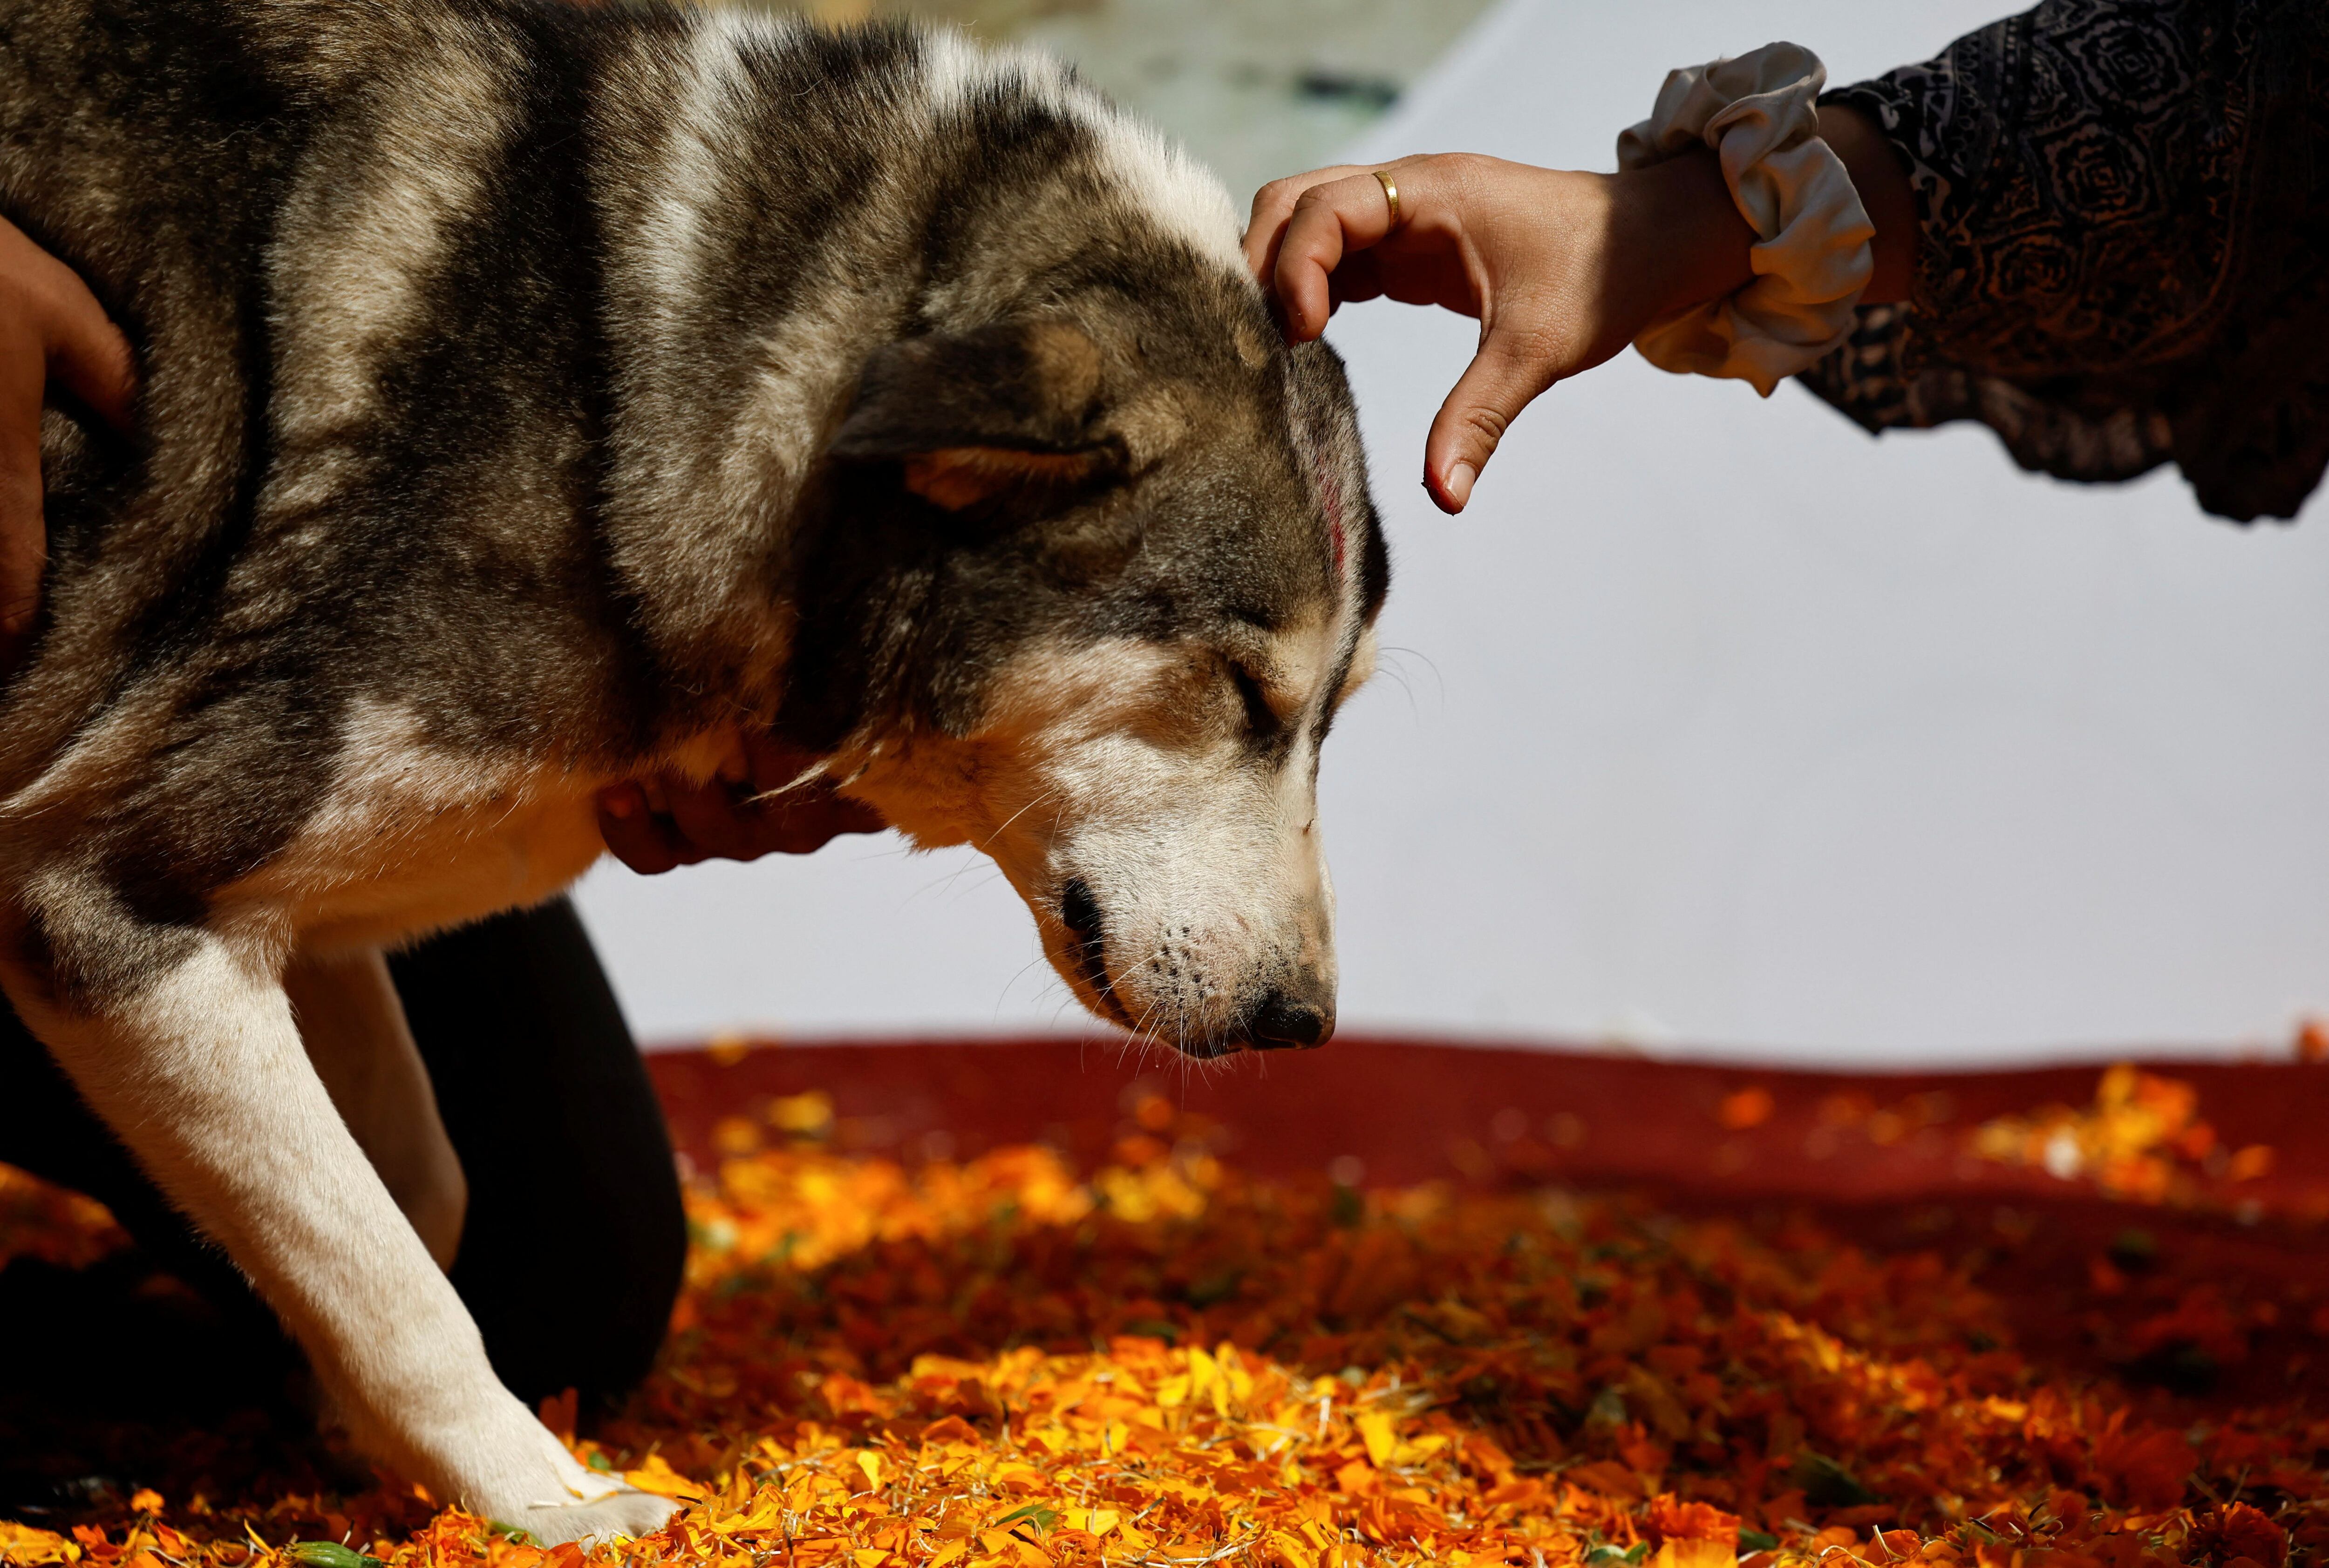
{"x": 979, "y": 416}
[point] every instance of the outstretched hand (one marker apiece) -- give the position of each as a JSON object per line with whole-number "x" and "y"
{"x": 655, "y": 825}
{"x": 1561, "y": 269}
{"x": 51, "y": 331}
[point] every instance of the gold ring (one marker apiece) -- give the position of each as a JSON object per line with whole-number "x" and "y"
{"x": 1390, "y": 195}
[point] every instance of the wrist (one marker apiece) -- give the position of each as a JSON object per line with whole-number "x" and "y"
{"x": 1677, "y": 239}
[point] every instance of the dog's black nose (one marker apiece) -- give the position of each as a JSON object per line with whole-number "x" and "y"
{"x": 1284, "y": 1021}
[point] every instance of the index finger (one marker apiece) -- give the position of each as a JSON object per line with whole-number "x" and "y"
{"x": 1273, "y": 205}
{"x": 1328, "y": 220}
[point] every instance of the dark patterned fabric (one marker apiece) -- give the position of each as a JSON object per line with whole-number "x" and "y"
{"x": 2126, "y": 246}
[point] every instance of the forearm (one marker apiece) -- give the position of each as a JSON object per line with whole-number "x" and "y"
{"x": 1883, "y": 186}
{"x": 1676, "y": 237}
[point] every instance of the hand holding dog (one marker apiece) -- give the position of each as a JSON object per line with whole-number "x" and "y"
{"x": 51, "y": 331}
{"x": 1563, "y": 270}
{"x": 654, "y": 825}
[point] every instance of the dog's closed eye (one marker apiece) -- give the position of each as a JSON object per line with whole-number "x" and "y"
{"x": 1262, "y": 720}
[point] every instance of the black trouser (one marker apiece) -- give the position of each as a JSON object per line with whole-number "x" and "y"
{"x": 572, "y": 1252}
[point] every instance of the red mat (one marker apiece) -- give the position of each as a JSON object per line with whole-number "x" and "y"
{"x": 2226, "y": 1298}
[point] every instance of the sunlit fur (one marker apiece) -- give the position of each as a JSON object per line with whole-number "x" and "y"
{"x": 1124, "y": 763}
{"x": 536, "y": 396}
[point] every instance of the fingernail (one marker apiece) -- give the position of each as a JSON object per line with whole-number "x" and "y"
{"x": 1459, "y": 483}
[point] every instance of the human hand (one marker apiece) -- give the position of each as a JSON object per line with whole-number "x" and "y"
{"x": 1563, "y": 270}
{"x": 655, "y": 825}
{"x": 52, "y": 329}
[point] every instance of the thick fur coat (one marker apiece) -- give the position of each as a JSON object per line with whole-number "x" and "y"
{"x": 533, "y": 397}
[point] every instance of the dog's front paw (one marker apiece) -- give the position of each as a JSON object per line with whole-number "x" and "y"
{"x": 625, "y": 1513}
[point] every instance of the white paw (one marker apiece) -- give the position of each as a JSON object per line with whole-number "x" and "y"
{"x": 624, "y": 1513}
{"x": 532, "y": 1482}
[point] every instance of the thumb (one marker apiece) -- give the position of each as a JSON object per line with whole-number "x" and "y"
{"x": 1503, "y": 378}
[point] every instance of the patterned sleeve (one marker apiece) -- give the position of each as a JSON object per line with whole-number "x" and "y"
{"x": 2124, "y": 207}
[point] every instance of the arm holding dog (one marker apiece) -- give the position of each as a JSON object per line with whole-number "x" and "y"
{"x": 52, "y": 333}
{"x": 133, "y": 939}
{"x": 767, "y": 799}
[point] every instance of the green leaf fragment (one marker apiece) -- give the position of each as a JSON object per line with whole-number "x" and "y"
{"x": 1220, "y": 1287}
{"x": 1609, "y": 1408}
{"x": 1036, "y": 1514}
{"x": 1828, "y": 1484}
{"x": 329, "y": 1554}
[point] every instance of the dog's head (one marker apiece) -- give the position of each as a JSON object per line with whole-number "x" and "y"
{"x": 1090, "y": 586}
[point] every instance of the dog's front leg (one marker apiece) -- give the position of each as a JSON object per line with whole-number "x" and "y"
{"x": 356, "y": 1036}
{"x": 185, "y": 1043}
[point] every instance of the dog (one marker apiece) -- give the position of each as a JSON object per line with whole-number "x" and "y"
{"x": 534, "y": 398}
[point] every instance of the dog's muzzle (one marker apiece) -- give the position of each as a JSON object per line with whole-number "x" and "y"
{"x": 1294, "y": 1015}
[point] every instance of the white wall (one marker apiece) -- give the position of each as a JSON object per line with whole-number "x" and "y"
{"x": 1714, "y": 723}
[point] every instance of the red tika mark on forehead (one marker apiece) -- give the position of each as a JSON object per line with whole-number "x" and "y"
{"x": 1330, "y": 495}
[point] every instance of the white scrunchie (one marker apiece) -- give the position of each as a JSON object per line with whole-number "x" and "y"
{"x": 1760, "y": 113}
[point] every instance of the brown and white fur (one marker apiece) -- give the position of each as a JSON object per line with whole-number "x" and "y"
{"x": 535, "y": 397}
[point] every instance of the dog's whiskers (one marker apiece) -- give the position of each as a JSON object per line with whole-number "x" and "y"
{"x": 1051, "y": 793}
